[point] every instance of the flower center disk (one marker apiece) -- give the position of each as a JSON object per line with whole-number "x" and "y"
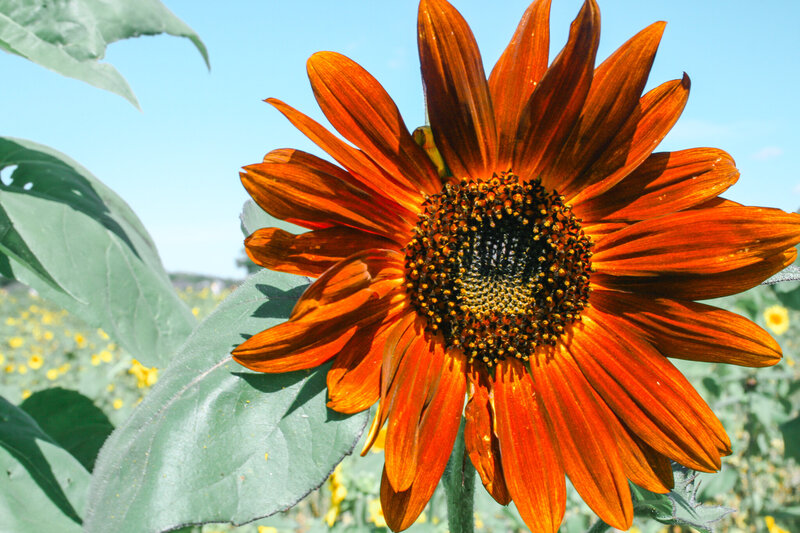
{"x": 499, "y": 267}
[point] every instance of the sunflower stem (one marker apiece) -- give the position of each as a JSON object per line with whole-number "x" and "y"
{"x": 459, "y": 486}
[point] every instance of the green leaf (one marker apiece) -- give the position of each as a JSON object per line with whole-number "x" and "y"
{"x": 70, "y": 36}
{"x": 44, "y": 487}
{"x": 791, "y": 438}
{"x": 788, "y": 295}
{"x": 71, "y": 420}
{"x": 790, "y": 273}
{"x": 215, "y": 442}
{"x": 679, "y": 507}
{"x": 92, "y": 246}
{"x": 253, "y": 218}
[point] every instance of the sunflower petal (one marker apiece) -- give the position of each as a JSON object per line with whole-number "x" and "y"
{"x": 365, "y": 269}
{"x": 555, "y": 106}
{"x": 361, "y": 110}
{"x": 480, "y": 438}
{"x": 517, "y": 73}
{"x": 616, "y": 87}
{"x": 533, "y": 472}
{"x": 363, "y": 173}
{"x": 697, "y": 241}
{"x": 438, "y": 429}
{"x": 647, "y": 393}
{"x": 416, "y": 378}
{"x": 355, "y": 376}
{"x": 306, "y": 190}
{"x": 695, "y": 331}
{"x": 359, "y": 290}
{"x": 309, "y": 254}
{"x": 456, "y": 91}
{"x": 644, "y": 466}
{"x": 257, "y": 352}
{"x": 665, "y": 183}
{"x": 657, "y": 112}
{"x": 699, "y": 286}
{"x": 586, "y": 445}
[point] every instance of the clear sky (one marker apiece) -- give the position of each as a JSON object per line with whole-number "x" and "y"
{"x": 176, "y": 162}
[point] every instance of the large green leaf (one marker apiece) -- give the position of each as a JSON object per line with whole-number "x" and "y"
{"x": 253, "y": 218}
{"x": 71, "y": 420}
{"x": 70, "y": 36}
{"x": 93, "y": 247}
{"x": 44, "y": 487}
{"x": 214, "y": 442}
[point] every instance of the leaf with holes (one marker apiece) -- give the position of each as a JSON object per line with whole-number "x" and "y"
{"x": 70, "y": 36}
{"x": 99, "y": 262}
{"x": 215, "y": 442}
{"x": 44, "y": 487}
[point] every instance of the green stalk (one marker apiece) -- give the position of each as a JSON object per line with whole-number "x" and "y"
{"x": 459, "y": 486}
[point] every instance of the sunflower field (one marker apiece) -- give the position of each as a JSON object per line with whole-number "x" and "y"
{"x": 520, "y": 292}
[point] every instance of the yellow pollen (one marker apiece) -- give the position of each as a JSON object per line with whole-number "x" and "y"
{"x": 513, "y": 278}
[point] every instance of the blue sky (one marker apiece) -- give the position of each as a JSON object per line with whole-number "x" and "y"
{"x": 176, "y": 162}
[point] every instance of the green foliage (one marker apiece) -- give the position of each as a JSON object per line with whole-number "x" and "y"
{"x": 791, "y": 438}
{"x": 70, "y": 36}
{"x": 212, "y": 441}
{"x": 72, "y": 420}
{"x": 215, "y": 442}
{"x": 680, "y": 506}
{"x": 44, "y": 487}
{"x": 253, "y": 218}
{"x": 98, "y": 260}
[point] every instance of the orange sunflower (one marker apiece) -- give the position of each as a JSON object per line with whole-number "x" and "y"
{"x": 534, "y": 256}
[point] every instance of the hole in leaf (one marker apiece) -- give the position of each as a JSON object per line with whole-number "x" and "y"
{"x": 5, "y": 174}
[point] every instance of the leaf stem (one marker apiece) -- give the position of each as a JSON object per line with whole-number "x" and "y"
{"x": 459, "y": 486}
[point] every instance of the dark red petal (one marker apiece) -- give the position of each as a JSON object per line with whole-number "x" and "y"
{"x": 363, "y": 173}
{"x": 657, "y": 112}
{"x": 361, "y": 110}
{"x": 643, "y": 465}
{"x": 699, "y": 286}
{"x": 297, "y": 351}
{"x": 312, "y": 253}
{"x": 354, "y": 378}
{"x": 480, "y": 438}
{"x": 456, "y": 91}
{"x": 697, "y": 241}
{"x": 646, "y": 392}
{"x": 554, "y": 107}
{"x": 586, "y": 444}
{"x": 366, "y": 269}
{"x": 517, "y": 73}
{"x": 533, "y": 472}
{"x": 437, "y": 433}
{"x": 306, "y": 190}
{"x": 689, "y": 330}
{"x": 665, "y": 183}
{"x": 359, "y": 290}
{"x": 417, "y": 375}
{"x": 614, "y": 95}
